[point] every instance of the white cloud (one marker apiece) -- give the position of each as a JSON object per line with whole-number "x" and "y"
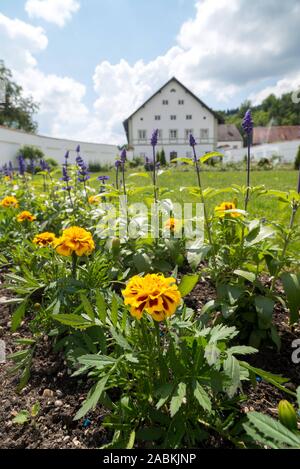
{"x": 53, "y": 11}
{"x": 20, "y": 41}
{"x": 284, "y": 85}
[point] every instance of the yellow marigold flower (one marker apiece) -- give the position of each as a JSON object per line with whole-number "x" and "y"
{"x": 7, "y": 178}
{"x": 94, "y": 200}
{"x": 9, "y": 201}
{"x": 153, "y": 294}
{"x": 171, "y": 224}
{"x": 25, "y": 216}
{"x": 221, "y": 209}
{"x": 76, "y": 240}
{"x": 44, "y": 239}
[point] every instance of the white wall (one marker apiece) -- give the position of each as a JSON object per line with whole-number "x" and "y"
{"x": 144, "y": 119}
{"x": 12, "y": 140}
{"x": 286, "y": 150}
{"x": 237, "y": 144}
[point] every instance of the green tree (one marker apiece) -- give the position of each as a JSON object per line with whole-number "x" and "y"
{"x": 17, "y": 111}
{"x": 163, "y": 160}
{"x": 297, "y": 160}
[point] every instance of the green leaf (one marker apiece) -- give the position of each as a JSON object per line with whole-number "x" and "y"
{"x": 276, "y": 380}
{"x": 92, "y": 399}
{"x": 273, "y": 431}
{"x": 165, "y": 393}
{"x": 202, "y": 397}
{"x": 101, "y": 307}
{"x": 187, "y": 284}
{"x": 177, "y": 399}
{"x": 210, "y": 155}
{"x": 88, "y": 308}
{"x": 291, "y": 283}
{"x": 21, "y": 418}
{"x": 150, "y": 434}
{"x": 232, "y": 370}
{"x": 114, "y": 310}
{"x": 264, "y": 233}
{"x": 212, "y": 354}
{"x": 264, "y": 307}
{"x": 245, "y": 274}
{"x": 72, "y": 320}
{"x": 298, "y": 396}
{"x": 241, "y": 350}
{"x": 35, "y": 409}
{"x": 97, "y": 361}
{"x": 18, "y": 316}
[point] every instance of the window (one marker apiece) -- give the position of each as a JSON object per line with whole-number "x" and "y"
{"x": 187, "y": 134}
{"x": 142, "y": 118}
{"x": 189, "y": 117}
{"x": 157, "y": 118}
{"x": 204, "y": 134}
{"x": 180, "y": 102}
{"x": 160, "y": 134}
{"x": 165, "y": 102}
{"x": 173, "y": 134}
{"x": 205, "y": 118}
{"x": 173, "y": 155}
{"x": 173, "y": 90}
{"x": 173, "y": 118}
{"x": 142, "y": 134}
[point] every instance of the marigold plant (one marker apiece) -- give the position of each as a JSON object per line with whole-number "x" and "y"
{"x": 154, "y": 294}
{"x": 75, "y": 240}
{"x": 9, "y": 201}
{"x": 44, "y": 239}
{"x": 26, "y": 216}
{"x": 224, "y": 207}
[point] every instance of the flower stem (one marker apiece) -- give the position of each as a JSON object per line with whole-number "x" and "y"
{"x": 248, "y": 173}
{"x": 74, "y": 265}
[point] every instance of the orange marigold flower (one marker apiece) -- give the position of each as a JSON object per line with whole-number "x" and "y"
{"x": 9, "y": 201}
{"x": 154, "y": 294}
{"x": 222, "y": 209}
{"x": 25, "y": 216}
{"x": 44, "y": 239}
{"x": 173, "y": 224}
{"x": 75, "y": 240}
{"x": 94, "y": 200}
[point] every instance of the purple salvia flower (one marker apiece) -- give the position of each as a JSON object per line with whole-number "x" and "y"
{"x": 118, "y": 163}
{"x": 44, "y": 165}
{"x": 22, "y": 165}
{"x": 103, "y": 178}
{"x": 247, "y": 123}
{"x": 78, "y": 149}
{"x": 154, "y": 138}
{"x": 67, "y": 155}
{"x": 123, "y": 156}
{"x": 192, "y": 141}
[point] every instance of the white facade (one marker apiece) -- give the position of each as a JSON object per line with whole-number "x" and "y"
{"x": 12, "y": 140}
{"x": 232, "y": 145}
{"x": 176, "y": 112}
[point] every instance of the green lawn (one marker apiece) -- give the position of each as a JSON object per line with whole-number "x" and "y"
{"x": 261, "y": 206}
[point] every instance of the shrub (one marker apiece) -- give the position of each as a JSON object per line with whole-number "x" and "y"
{"x": 163, "y": 160}
{"x": 51, "y": 162}
{"x": 30, "y": 152}
{"x": 136, "y": 162}
{"x": 98, "y": 167}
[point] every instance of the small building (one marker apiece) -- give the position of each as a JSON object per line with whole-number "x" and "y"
{"x": 176, "y": 112}
{"x": 275, "y": 134}
{"x": 229, "y": 137}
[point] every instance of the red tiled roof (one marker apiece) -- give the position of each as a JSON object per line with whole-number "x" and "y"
{"x": 282, "y": 133}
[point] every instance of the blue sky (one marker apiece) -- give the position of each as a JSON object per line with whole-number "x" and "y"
{"x": 90, "y": 63}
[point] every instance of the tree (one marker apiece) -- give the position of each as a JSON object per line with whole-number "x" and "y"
{"x": 297, "y": 160}
{"x": 163, "y": 160}
{"x": 18, "y": 111}
{"x": 31, "y": 153}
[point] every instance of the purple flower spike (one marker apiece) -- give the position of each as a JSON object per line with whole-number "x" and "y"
{"x": 78, "y": 149}
{"x": 154, "y": 138}
{"x": 192, "y": 141}
{"x": 67, "y": 155}
{"x": 118, "y": 163}
{"x": 247, "y": 123}
{"x": 123, "y": 156}
{"x": 22, "y": 165}
{"x": 103, "y": 178}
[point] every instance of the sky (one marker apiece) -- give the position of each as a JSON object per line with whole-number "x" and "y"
{"x": 90, "y": 63}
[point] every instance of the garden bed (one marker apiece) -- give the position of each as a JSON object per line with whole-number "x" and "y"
{"x": 60, "y": 396}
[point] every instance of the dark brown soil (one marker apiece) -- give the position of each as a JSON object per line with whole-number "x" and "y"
{"x": 60, "y": 396}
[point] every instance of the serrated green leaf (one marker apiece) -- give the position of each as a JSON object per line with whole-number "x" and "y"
{"x": 92, "y": 399}
{"x": 73, "y": 320}
{"x": 21, "y": 418}
{"x": 18, "y": 316}
{"x": 114, "y": 310}
{"x": 291, "y": 284}
{"x": 88, "y": 308}
{"x": 101, "y": 307}
{"x": 202, "y": 397}
{"x": 187, "y": 284}
{"x": 177, "y": 399}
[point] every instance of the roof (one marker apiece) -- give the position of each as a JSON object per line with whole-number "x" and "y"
{"x": 229, "y": 133}
{"x": 282, "y": 133}
{"x": 125, "y": 123}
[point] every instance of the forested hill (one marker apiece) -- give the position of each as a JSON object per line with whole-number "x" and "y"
{"x": 281, "y": 111}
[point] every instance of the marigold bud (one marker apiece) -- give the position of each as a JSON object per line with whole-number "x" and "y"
{"x": 115, "y": 246}
{"x": 287, "y": 415}
{"x": 37, "y": 306}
